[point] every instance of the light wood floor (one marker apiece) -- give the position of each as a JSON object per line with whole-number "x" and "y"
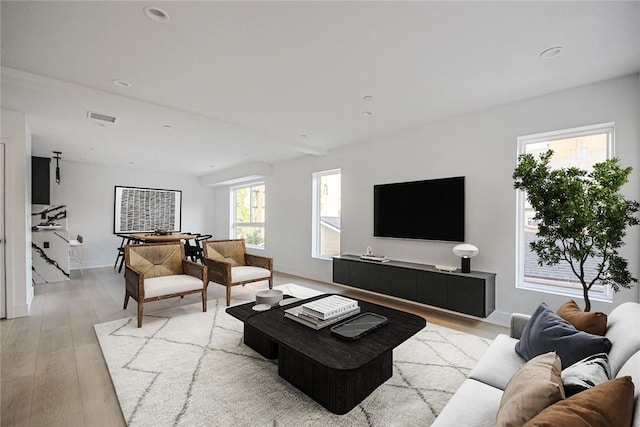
{"x": 52, "y": 369}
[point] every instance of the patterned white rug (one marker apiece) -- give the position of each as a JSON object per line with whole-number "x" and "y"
{"x": 189, "y": 368}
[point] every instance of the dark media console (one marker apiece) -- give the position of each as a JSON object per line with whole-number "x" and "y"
{"x": 469, "y": 293}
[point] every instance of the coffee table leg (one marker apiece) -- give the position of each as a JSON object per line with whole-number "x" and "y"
{"x": 259, "y": 342}
{"x": 337, "y": 390}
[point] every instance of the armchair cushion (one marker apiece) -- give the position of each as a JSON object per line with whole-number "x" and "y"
{"x": 231, "y": 251}
{"x": 244, "y": 273}
{"x": 156, "y": 260}
{"x": 167, "y": 285}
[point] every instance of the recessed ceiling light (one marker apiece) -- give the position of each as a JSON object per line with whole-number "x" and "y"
{"x": 303, "y": 135}
{"x": 156, "y": 14}
{"x": 212, "y": 166}
{"x": 551, "y": 52}
{"x": 367, "y": 98}
{"x": 367, "y": 113}
{"x": 121, "y": 83}
{"x": 167, "y": 126}
{"x": 131, "y": 163}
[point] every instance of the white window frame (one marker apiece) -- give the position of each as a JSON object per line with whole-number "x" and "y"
{"x": 232, "y": 214}
{"x": 597, "y": 292}
{"x": 316, "y": 239}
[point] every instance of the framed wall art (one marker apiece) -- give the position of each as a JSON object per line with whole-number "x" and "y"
{"x": 139, "y": 210}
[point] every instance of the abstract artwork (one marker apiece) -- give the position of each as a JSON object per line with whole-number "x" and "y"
{"x": 146, "y": 209}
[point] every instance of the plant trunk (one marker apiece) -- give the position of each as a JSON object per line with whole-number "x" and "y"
{"x": 585, "y": 293}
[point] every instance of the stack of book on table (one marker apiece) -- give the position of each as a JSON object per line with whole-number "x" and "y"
{"x": 323, "y": 312}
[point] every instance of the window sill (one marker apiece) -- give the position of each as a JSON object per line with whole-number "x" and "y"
{"x": 323, "y": 257}
{"x": 606, "y": 296}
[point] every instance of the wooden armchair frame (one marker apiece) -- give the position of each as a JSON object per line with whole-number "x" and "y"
{"x": 220, "y": 270}
{"x": 135, "y": 279}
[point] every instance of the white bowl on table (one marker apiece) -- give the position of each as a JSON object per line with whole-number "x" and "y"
{"x": 269, "y": 296}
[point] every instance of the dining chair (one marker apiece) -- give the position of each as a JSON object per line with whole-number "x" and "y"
{"x": 126, "y": 240}
{"x": 194, "y": 251}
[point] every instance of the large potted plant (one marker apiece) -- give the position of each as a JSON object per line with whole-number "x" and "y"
{"x": 580, "y": 215}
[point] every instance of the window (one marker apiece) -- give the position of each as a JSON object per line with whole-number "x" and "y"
{"x": 326, "y": 214}
{"x": 580, "y": 147}
{"x": 247, "y": 214}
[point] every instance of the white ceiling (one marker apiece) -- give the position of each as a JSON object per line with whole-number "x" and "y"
{"x": 241, "y": 82}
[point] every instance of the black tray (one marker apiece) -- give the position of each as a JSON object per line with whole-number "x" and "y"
{"x": 358, "y": 326}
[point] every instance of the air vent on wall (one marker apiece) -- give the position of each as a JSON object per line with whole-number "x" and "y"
{"x": 99, "y": 116}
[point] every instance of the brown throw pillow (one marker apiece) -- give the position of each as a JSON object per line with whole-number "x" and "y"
{"x": 607, "y": 404}
{"x": 532, "y": 388}
{"x": 586, "y": 321}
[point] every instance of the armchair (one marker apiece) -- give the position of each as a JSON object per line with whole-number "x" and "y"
{"x": 229, "y": 265}
{"x": 159, "y": 270}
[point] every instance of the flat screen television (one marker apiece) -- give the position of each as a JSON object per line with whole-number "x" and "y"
{"x": 426, "y": 210}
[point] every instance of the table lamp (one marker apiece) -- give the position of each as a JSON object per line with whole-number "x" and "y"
{"x": 466, "y": 252}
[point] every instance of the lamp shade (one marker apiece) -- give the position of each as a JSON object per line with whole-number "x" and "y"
{"x": 465, "y": 250}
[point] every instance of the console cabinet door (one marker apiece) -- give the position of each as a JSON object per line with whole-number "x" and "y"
{"x": 341, "y": 271}
{"x": 400, "y": 282}
{"x": 466, "y": 295}
{"x": 431, "y": 289}
{"x": 359, "y": 275}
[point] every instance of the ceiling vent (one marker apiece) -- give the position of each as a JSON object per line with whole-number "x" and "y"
{"x": 99, "y": 116}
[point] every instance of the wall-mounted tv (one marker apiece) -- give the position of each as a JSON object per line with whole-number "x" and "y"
{"x": 427, "y": 210}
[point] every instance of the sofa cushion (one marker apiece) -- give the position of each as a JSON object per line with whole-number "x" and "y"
{"x": 593, "y": 322}
{"x": 623, "y": 329}
{"x": 608, "y": 404}
{"x": 585, "y": 374}
{"x": 500, "y": 353}
{"x": 632, "y": 369}
{"x": 167, "y": 285}
{"x": 546, "y": 331}
{"x": 534, "y": 387}
{"x": 474, "y": 404}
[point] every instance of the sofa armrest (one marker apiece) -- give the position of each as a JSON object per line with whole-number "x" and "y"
{"x": 196, "y": 270}
{"x": 259, "y": 261}
{"x": 218, "y": 271}
{"x": 518, "y": 322}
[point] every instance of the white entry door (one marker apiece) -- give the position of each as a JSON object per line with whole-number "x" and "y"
{"x": 3, "y": 285}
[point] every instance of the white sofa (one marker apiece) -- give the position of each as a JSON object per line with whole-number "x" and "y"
{"x": 476, "y": 402}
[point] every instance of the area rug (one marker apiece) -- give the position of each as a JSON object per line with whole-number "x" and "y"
{"x": 189, "y": 368}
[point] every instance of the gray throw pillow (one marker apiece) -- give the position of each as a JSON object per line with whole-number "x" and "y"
{"x": 585, "y": 374}
{"x": 546, "y": 331}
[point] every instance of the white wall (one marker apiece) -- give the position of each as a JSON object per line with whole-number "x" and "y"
{"x": 17, "y": 137}
{"x": 88, "y": 192}
{"x": 481, "y": 146}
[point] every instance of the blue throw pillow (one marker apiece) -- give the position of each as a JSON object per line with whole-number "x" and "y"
{"x": 546, "y": 331}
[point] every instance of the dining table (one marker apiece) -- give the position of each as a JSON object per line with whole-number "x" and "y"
{"x": 158, "y": 238}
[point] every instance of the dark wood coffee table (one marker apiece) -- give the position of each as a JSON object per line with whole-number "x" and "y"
{"x": 336, "y": 373}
